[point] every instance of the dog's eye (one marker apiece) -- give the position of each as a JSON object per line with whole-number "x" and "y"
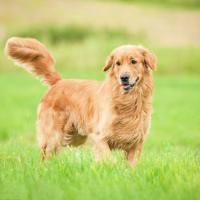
{"x": 133, "y": 61}
{"x": 118, "y": 63}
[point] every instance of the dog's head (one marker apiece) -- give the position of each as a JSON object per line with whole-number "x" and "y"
{"x": 130, "y": 64}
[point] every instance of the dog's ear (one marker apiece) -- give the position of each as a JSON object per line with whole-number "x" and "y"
{"x": 149, "y": 58}
{"x": 109, "y": 63}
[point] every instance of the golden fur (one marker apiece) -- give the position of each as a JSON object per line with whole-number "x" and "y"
{"x": 112, "y": 114}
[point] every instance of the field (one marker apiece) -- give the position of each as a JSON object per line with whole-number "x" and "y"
{"x": 170, "y": 164}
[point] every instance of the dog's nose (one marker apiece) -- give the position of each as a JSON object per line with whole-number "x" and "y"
{"x": 124, "y": 77}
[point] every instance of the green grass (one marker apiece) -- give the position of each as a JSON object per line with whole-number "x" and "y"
{"x": 169, "y": 168}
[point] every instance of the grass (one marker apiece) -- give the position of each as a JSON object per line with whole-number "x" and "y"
{"x": 73, "y": 175}
{"x": 169, "y": 169}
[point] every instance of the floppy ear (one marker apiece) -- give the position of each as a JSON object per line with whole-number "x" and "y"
{"x": 149, "y": 59}
{"x": 109, "y": 63}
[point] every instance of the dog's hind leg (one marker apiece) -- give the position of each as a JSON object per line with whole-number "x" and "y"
{"x": 50, "y": 133}
{"x": 49, "y": 145}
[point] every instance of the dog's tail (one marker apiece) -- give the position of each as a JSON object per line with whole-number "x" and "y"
{"x": 34, "y": 57}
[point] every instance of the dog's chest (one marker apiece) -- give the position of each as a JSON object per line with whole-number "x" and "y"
{"x": 129, "y": 126}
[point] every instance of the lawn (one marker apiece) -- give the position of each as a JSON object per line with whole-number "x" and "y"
{"x": 80, "y": 38}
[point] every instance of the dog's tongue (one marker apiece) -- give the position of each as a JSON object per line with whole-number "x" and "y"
{"x": 125, "y": 86}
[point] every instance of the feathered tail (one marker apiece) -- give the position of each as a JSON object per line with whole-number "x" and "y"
{"x": 34, "y": 57}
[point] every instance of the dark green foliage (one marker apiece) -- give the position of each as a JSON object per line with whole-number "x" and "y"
{"x": 73, "y": 33}
{"x": 171, "y": 3}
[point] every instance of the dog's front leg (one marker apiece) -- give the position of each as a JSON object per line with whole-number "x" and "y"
{"x": 134, "y": 154}
{"x": 102, "y": 151}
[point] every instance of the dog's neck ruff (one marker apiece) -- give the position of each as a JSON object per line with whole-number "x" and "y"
{"x": 131, "y": 111}
{"x": 134, "y": 101}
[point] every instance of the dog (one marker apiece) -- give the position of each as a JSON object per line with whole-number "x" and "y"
{"x": 114, "y": 113}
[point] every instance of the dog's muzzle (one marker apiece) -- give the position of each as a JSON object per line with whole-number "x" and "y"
{"x": 127, "y": 86}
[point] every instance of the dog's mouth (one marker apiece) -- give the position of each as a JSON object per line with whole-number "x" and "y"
{"x": 128, "y": 86}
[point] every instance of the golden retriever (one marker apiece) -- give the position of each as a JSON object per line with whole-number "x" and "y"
{"x": 115, "y": 113}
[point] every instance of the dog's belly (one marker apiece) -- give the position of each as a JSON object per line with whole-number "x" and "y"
{"x": 74, "y": 138}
